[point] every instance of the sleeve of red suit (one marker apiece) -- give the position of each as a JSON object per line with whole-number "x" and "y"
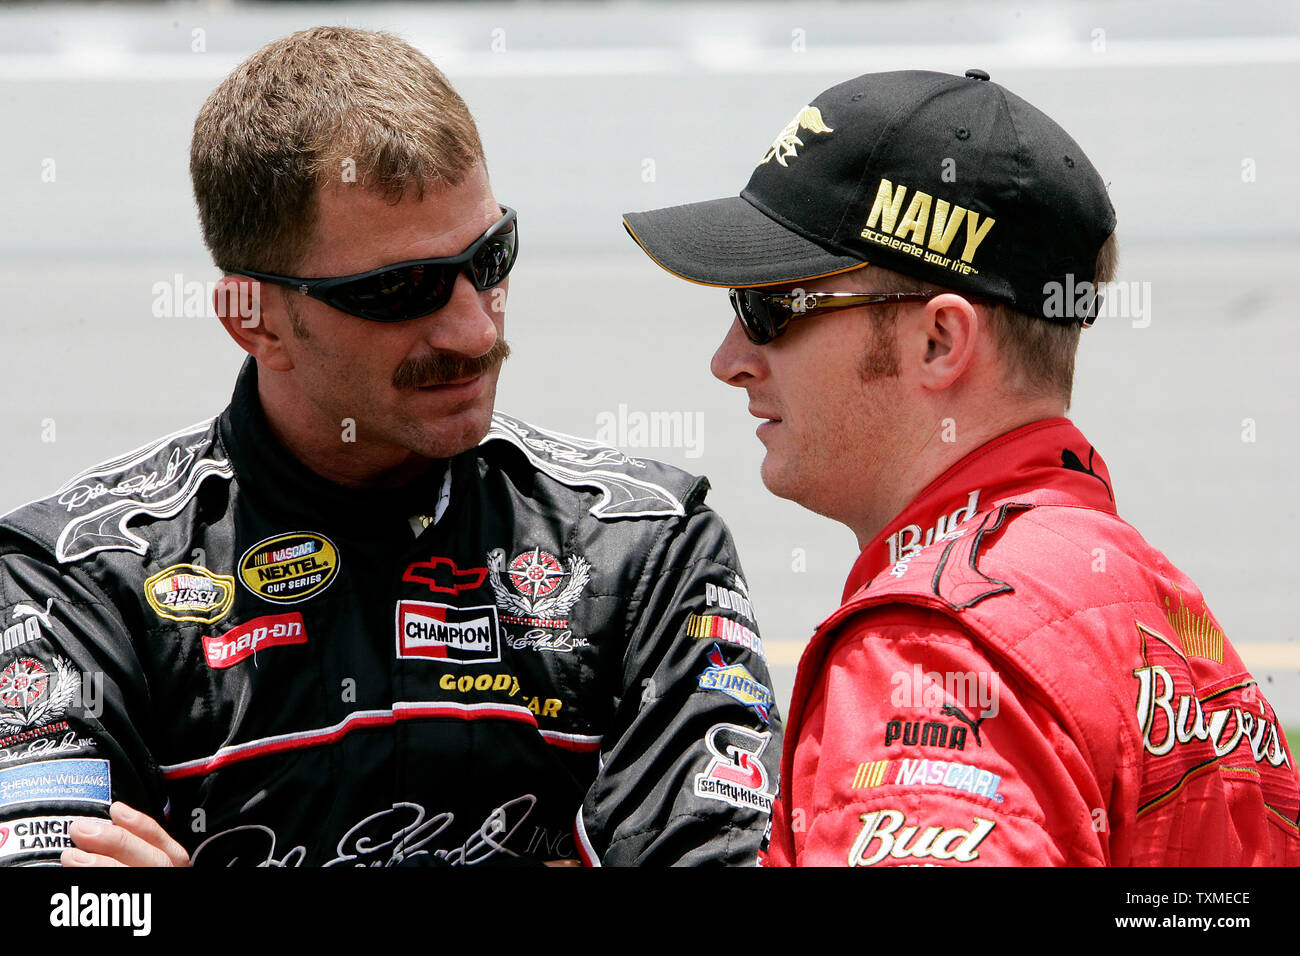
{"x": 914, "y": 747}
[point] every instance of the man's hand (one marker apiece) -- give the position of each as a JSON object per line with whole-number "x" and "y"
{"x": 132, "y": 839}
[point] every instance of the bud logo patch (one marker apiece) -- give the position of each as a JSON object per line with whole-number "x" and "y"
{"x": 290, "y": 567}
{"x": 255, "y": 635}
{"x": 458, "y": 635}
{"x": 188, "y": 592}
{"x": 1189, "y": 729}
{"x": 884, "y": 835}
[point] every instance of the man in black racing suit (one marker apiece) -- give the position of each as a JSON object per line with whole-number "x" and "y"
{"x": 531, "y": 649}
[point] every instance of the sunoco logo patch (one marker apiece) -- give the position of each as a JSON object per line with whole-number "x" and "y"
{"x": 188, "y": 592}
{"x": 290, "y": 567}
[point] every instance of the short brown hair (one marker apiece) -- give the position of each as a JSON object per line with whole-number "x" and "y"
{"x": 330, "y": 104}
{"x": 1038, "y": 355}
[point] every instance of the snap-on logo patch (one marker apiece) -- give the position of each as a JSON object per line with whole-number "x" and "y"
{"x": 252, "y": 636}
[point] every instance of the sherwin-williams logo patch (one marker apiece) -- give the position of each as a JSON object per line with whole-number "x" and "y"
{"x": 252, "y": 636}
{"x": 290, "y": 567}
{"x": 457, "y": 635}
{"x": 82, "y": 781}
{"x": 188, "y": 592}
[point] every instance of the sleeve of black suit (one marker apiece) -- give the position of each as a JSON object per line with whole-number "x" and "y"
{"x": 689, "y": 767}
{"x": 73, "y": 708}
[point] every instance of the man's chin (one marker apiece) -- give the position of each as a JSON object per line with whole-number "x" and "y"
{"x": 445, "y": 433}
{"x": 450, "y": 434}
{"x": 455, "y": 437}
{"x": 778, "y": 479}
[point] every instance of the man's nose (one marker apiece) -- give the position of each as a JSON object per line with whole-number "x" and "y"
{"x": 737, "y": 359}
{"x": 469, "y": 323}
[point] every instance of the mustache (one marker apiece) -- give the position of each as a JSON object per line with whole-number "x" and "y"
{"x": 443, "y": 368}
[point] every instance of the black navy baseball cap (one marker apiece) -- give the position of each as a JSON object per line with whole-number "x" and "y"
{"x": 952, "y": 180}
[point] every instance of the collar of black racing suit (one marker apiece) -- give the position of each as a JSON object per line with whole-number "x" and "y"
{"x": 269, "y": 472}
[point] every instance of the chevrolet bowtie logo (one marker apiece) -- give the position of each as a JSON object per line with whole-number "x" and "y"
{"x": 783, "y": 147}
{"x": 442, "y": 576}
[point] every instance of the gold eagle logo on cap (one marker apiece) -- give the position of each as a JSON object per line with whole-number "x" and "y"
{"x": 783, "y": 147}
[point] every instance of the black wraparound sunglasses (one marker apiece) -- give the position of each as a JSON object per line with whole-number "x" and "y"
{"x": 765, "y": 315}
{"x": 409, "y": 290}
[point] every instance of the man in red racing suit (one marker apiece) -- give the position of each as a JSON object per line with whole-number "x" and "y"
{"x": 1035, "y": 685}
{"x": 1015, "y": 675}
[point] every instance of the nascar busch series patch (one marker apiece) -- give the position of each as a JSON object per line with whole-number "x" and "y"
{"x": 457, "y": 635}
{"x": 738, "y": 683}
{"x": 188, "y": 592}
{"x": 541, "y": 589}
{"x": 289, "y": 568}
{"x": 735, "y": 774}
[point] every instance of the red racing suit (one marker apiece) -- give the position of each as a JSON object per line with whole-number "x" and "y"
{"x": 1015, "y": 677}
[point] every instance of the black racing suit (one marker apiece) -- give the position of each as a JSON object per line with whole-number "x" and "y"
{"x": 542, "y": 650}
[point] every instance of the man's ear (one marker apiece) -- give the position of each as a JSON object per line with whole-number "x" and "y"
{"x": 951, "y": 326}
{"x": 257, "y": 326}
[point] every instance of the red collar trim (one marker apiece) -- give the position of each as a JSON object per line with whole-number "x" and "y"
{"x": 1046, "y": 455}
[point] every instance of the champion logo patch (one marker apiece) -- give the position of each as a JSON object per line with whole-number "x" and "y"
{"x": 457, "y": 635}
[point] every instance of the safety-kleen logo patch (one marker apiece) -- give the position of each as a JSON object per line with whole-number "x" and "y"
{"x": 457, "y": 635}
{"x": 188, "y": 592}
{"x": 289, "y": 567}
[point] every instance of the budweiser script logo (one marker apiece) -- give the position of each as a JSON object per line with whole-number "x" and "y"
{"x": 1168, "y": 718}
{"x": 936, "y": 842}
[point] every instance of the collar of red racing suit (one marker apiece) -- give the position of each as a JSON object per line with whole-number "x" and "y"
{"x": 1047, "y": 455}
